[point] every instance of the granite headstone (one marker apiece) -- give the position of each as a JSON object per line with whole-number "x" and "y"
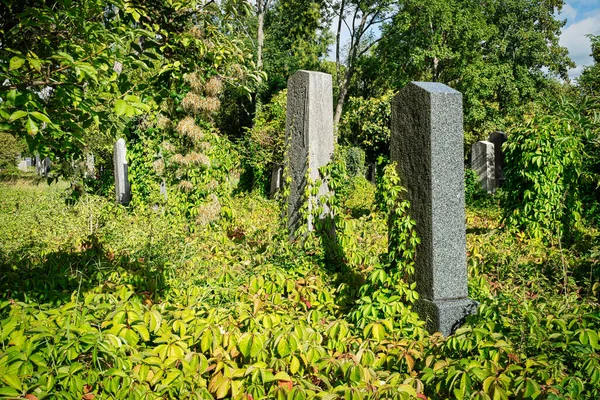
{"x": 498, "y": 138}
{"x": 427, "y": 145}
{"x": 122, "y": 187}
{"x": 483, "y": 163}
{"x": 309, "y": 137}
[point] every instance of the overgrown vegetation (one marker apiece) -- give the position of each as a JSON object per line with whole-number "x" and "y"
{"x": 103, "y": 302}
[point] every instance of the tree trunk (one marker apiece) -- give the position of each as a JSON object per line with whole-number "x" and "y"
{"x": 260, "y": 36}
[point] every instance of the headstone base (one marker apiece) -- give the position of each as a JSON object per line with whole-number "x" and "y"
{"x": 444, "y": 315}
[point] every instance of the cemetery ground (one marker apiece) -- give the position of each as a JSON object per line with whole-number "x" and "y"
{"x": 102, "y": 301}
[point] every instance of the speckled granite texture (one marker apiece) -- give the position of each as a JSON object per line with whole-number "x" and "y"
{"x": 427, "y": 144}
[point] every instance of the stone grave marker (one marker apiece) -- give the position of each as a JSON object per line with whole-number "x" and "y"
{"x": 498, "y": 138}
{"x": 122, "y": 187}
{"x": 276, "y": 179}
{"x": 309, "y": 137}
{"x": 90, "y": 167}
{"x": 22, "y": 165}
{"x": 483, "y": 163}
{"x": 38, "y": 164}
{"x": 427, "y": 145}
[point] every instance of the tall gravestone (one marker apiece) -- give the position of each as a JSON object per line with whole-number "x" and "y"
{"x": 498, "y": 138}
{"x": 427, "y": 145}
{"x": 483, "y": 163}
{"x": 122, "y": 188}
{"x": 309, "y": 137}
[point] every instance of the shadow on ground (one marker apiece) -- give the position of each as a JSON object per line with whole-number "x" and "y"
{"x": 30, "y": 275}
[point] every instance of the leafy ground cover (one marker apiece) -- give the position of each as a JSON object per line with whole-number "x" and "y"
{"x": 100, "y": 301}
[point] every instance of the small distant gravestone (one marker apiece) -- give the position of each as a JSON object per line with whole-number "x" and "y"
{"x": 427, "y": 144}
{"x": 163, "y": 190}
{"x": 372, "y": 172}
{"x": 38, "y": 164}
{"x": 90, "y": 167}
{"x": 310, "y": 140}
{"x": 46, "y": 166}
{"x": 276, "y": 179}
{"x": 122, "y": 188}
{"x": 483, "y": 163}
{"x": 498, "y": 138}
{"x": 22, "y": 166}
{"x": 29, "y": 161}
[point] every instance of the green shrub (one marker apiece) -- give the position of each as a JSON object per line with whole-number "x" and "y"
{"x": 264, "y": 143}
{"x": 10, "y": 149}
{"x": 549, "y": 158}
{"x": 366, "y": 124}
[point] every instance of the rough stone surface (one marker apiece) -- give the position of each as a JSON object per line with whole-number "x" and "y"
{"x": 427, "y": 144}
{"x": 90, "y": 167}
{"x": 276, "y": 179}
{"x": 38, "y": 164}
{"x": 46, "y": 166}
{"x": 309, "y": 137}
{"x": 483, "y": 162}
{"x": 163, "y": 190}
{"x": 122, "y": 187}
{"x": 22, "y": 166}
{"x": 498, "y": 138}
{"x": 445, "y": 316}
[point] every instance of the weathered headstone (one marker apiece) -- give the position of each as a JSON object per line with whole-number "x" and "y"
{"x": 122, "y": 188}
{"x": 163, "y": 190}
{"x": 276, "y": 179}
{"x": 498, "y": 138}
{"x": 38, "y": 164}
{"x": 46, "y": 166}
{"x": 22, "y": 166}
{"x": 427, "y": 144}
{"x": 90, "y": 167}
{"x": 310, "y": 140}
{"x": 483, "y": 163}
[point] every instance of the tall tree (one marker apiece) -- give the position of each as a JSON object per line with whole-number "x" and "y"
{"x": 494, "y": 52}
{"x": 359, "y": 18}
{"x": 589, "y": 80}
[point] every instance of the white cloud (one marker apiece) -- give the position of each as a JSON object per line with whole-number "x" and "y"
{"x": 569, "y": 12}
{"x": 573, "y": 38}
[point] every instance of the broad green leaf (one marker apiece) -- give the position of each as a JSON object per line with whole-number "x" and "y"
{"x": 250, "y": 344}
{"x": 31, "y": 126}
{"x": 41, "y": 117}
{"x": 121, "y": 107}
{"x": 16, "y": 63}
{"x": 17, "y": 115}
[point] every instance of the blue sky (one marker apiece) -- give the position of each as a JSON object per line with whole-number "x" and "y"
{"x": 583, "y": 17}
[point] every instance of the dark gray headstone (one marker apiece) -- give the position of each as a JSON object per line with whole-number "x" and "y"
{"x": 122, "y": 188}
{"x": 309, "y": 136}
{"x": 427, "y": 145}
{"x": 276, "y": 179}
{"x": 498, "y": 138}
{"x": 46, "y": 166}
{"x": 483, "y": 163}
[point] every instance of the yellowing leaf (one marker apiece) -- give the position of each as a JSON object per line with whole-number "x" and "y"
{"x": 15, "y": 63}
